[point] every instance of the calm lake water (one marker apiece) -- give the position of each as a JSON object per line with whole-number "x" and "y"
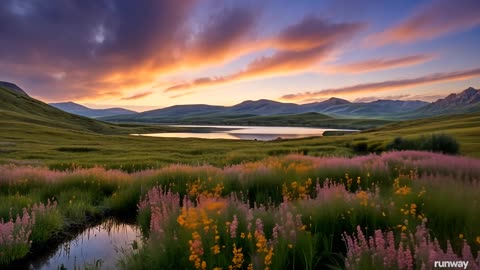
{"x": 245, "y": 132}
{"x": 104, "y": 244}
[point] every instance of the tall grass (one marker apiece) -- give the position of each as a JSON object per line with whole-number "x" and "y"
{"x": 277, "y": 213}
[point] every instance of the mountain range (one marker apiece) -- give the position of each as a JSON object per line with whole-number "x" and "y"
{"x": 248, "y": 111}
{"x": 78, "y": 109}
{"x": 466, "y": 101}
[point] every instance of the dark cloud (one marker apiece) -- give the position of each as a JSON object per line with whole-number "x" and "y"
{"x": 224, "y": 35}
{"x": 100, "y": 46}
{"x": 298, "y": 47}
{"x": 313, "y": 32}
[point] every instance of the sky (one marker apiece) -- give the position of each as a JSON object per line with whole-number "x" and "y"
{"x": 150, "y": 54}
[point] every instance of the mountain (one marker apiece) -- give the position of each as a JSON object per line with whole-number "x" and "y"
{"x": 78, "y": 109}
{"x": 12, "y": 87}
{"x": 466, "y": 101}
{"x": 374, "y": 109}
{"x": 263, "y": 107}
{"x": 20, "y": 113}
{"x": 322, "y": 105}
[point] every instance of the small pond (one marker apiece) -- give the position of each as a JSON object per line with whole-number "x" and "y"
{"x": 102, "y": 245}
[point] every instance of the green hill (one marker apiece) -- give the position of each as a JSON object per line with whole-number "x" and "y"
{"x": 18, "y": 108}
{"x": 34, "y": 133}
{"x": 464, "y": 127}
{"x": 311, "y": 119}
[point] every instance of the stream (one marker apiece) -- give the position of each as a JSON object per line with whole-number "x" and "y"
{"x": 97, "y": 247}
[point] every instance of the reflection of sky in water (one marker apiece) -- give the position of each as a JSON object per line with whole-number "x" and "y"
{"x": 107, "y": 242}
{"x": 245, "y": 133}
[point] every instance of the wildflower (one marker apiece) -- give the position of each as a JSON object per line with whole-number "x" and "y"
{"x": 237, "y": 260}
{"x": 216, "y": 249}
{"x": 403, "y": 190}
{"x": 460, "y": 236}
{"x": 478, "y": 239}
{"x": 363, "y": 197}
{"x": 290, "y": 246}
{"x": 233, "y": 227}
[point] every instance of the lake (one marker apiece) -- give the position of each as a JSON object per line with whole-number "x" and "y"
{"x": 260, "y": 133}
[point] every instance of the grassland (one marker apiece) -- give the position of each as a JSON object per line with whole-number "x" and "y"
{"x": 27, "y": 142}
{"x": 240, "y": 204}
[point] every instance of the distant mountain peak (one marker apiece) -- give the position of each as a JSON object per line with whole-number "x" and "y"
{"x": 75, "y": 108}
{"x": 13, "y": 87}
{"x": 335, "y": 101}
{"x": 456, "y": 102}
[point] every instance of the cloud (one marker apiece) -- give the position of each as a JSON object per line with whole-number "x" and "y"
{"x": 226, "y": 35}
{"x": 380, "y": 64}
{"x": 182, "y": 95}
{"x": 88, "y": 49}
{"x": 103, "y": 47}
{"x": 297, "y": 48}
{"x": 138, "y": 96}
{"x": 385, "y": 85}
{"x": 431, "y": 20}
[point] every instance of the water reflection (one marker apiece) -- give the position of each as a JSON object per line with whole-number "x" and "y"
{"x": 245, "y": 132}
{"x": 102, "y": 245}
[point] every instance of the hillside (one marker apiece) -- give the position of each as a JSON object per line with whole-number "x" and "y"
{"x": 18, "y": 108}
{"x": 464, "y": 127}
{"x": 34, "y": 132}
{"x": 376, "y": 109}
{"x": 12, "y": 87}
{"x": 78, "y": 109}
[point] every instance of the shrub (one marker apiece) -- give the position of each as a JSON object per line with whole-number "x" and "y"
{"x": 361, "y": 147}
{"x": 436, "y": 143}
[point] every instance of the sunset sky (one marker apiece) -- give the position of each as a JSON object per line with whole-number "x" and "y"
{"x": 155, "y": 53}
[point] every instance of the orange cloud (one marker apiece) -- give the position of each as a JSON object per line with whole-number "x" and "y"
{"x": 437, "y": 18}
{"x": 225, "y": 36}
{"x": 138, "y": 96}
{"x": 298, "y": 47}
{"x": 385, "y": 85}
{"x": 380, "y": 64}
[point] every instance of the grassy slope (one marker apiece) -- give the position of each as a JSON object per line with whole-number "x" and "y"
{"x": 54, "y": 137}
{"x": 464, "y": 127}
{"x": 16, "y": 108}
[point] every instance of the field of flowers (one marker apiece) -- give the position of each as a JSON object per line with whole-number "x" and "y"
{"x": 397, "y": 210}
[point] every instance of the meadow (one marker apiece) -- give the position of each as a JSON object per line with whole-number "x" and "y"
{"x": 395, "y": 210}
